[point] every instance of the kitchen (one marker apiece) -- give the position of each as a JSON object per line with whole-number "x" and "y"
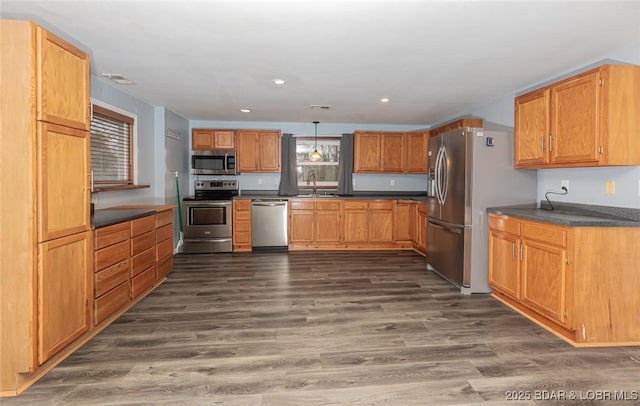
{"x": 167, "y": 134}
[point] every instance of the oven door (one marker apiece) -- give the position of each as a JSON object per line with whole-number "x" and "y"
{"x": 207, "y": 219}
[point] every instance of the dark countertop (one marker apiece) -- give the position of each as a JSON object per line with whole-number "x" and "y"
{"x": 573, "y": 215}
{"x": 416, "y": 196}
{"x": 106, "y": 217}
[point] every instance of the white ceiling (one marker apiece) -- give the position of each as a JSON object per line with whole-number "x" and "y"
{"x": 433, "y": 59}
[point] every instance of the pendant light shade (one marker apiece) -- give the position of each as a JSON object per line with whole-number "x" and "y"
{"x": 315, "y": 155}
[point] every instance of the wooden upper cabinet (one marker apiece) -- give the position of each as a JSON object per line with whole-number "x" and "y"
{"x": 62, "y": 82}
{"x": 416, "y": 146}
{"x": 454, "y": 125}
{"x": 258, "y": 150}
{"x": 591, "y": 119}
{"x": 63, "y": 186}
{"x": 205, "y": 139}
{"x": 574, "y": 133}
{"x": 392, "y": 155}
{"x": 269, "y": 158}
{"x": 366, "y": 152}
{"x": 532, "y": 126}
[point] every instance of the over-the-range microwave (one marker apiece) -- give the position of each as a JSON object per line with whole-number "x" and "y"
{"x": 213, "y": 162}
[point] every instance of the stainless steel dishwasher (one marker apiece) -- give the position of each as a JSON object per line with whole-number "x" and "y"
{"x": 269, "y": 224}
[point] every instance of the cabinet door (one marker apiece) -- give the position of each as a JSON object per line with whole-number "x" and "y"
{"x": 402, "y": 222}
{"x": 269, "y": 151}
{"x": 328, "y": 226}
{"x": 64, "y": 290}
{"x": 248, "y": 150}
{"x": 422, "y": 228}
{"x": 224, "y": 139}
{"x": 201, "y": 140}
{"x": 392, "y": 152}
{"x": 356, "y": 225}
{"x": 63, "y": 181}
{"x": 62, "y": 82}
{"x": 532, "y": 129}
{"x": 544, "y": 279}
{"x": 504, "y": 270}
{"x": 366, "y": 152}
{"x": 381, "y": 221}
{"x": 242, "y": 222}
{"x": 575, "y": 120}
{"x": 416, "y": 145}
{"x": 302, "y": 227}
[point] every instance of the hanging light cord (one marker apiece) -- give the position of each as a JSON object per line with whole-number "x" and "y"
{"x": 564, "y": 192}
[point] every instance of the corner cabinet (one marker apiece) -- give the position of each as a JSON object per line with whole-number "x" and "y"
{"x": 258, "y": 151}
{"x": 46, "y": 278}
{"x": 574, "y": 281}
{"x": 590, "y": 119}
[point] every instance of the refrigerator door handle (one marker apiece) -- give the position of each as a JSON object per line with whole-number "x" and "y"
{"x": 450, "y": 229}
{"x": 439, "y": 174}
{"x": 436, "y": 170}
{"x": 445, "y": 177}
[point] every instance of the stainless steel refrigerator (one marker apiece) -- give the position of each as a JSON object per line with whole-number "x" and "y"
{"x": 469, "y": 170}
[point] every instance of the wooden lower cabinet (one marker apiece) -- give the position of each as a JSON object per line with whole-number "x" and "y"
{"x": 241, "y": 225}
{"x": 328, "y": 222}
{"x": 402, "y": 221}
{"x": 419, "y": 235}
{"x": 381, "y": 221}
{"x": 574, "y": 281}
{"x": 64, "y": 291}
{"x": 314, "y": 224}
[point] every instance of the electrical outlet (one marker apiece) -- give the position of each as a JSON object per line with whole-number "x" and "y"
{"x": 610, "y": 187}
{"x": 392, "y": 182}
{"x": 564, "y": 183}
{"x": 259, "y": 181}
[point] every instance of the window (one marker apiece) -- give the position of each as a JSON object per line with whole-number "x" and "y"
{"x": 111, "y": 148}
{"x": 326, "y": 170}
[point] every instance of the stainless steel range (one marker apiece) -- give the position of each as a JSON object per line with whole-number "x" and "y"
{"x": 207, "y": 217}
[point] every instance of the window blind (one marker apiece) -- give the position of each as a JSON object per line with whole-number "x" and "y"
{"x": 111, "y": 147}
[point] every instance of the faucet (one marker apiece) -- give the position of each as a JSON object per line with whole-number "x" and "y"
{"x": 312, "y": 177}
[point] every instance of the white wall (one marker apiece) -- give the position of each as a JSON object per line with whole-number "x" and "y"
{"x": 267, "y": 181}
{"x": 586, "y": 185}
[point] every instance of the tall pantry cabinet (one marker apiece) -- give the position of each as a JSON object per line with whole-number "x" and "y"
{"x": 45, "y": 254}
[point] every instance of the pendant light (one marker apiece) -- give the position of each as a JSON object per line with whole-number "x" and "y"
{"x": 315, "y": 155}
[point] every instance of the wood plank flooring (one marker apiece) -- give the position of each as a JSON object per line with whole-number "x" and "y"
{"x": 325, "y": 328}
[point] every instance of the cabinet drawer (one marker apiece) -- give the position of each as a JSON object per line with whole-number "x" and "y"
{"x": 142, "y": 225}
{"x": 300, "y": 205}
{"x": 142, "y": 242}
{"x": 242, "y": 204}
{"x": 111, "y": 301}
{"x": 508, "y": 225}
{"x": 142, "y": 261}
{"x": 111, "y": 277}
{"x": 328, "y": 205}
{"x": 163, "y": 218}
{"x": 143, "y": 281}
{"x": 111, "y": 235}
{"x": 163, "y": 267}
{"x": 545, "y": 233}
{"x": 164, "y": 232}
{"x": 381, "y": 205}
{"x": 356, "y": 205}
{"x": 164, "y": 248}
{"x": 241, "y": 216}
{"x": 111, "y": 255}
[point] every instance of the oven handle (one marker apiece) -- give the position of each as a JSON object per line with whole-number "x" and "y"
{"x": 208, "y": 204}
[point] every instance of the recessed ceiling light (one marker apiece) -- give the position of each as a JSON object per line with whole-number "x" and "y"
{"x": 278, "y": 81}
{"x": 245, "y": 110}
{"x": 118, "y": 78}
{"x": 384, "y": 100}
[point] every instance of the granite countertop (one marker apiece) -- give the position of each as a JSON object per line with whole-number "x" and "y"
{"x": 574, "y": 215}
{"x": 106, "y": 217}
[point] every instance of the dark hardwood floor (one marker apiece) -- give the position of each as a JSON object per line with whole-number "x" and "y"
{"x": 327, "y": 328}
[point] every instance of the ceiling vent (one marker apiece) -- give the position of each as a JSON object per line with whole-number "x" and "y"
{"x": 118, "y": 78}
{"x": 320, "y": 107}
